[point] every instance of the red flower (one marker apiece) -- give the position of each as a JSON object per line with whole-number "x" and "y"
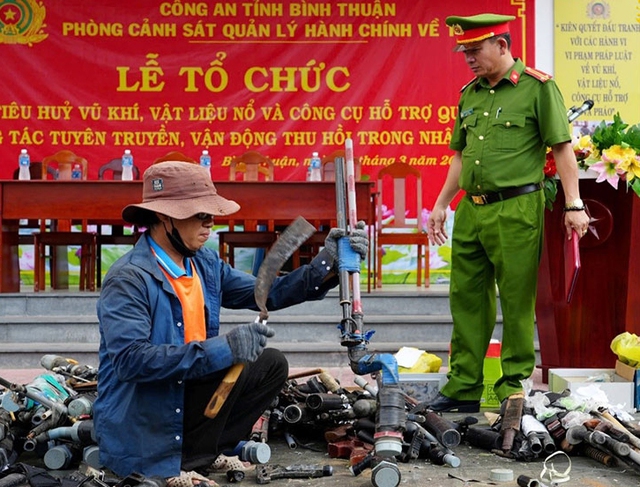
{"x": 550, "y": 166}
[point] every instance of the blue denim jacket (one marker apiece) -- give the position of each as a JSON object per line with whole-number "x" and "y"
{"x": 144, "y": 361}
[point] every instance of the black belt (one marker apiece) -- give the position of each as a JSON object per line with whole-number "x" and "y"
{"x": 505, "y": 194}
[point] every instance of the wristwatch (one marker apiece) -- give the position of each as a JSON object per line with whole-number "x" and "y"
{"x": 575, "y": 205}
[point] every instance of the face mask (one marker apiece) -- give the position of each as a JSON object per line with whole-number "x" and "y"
{"x": 177, "y": 242}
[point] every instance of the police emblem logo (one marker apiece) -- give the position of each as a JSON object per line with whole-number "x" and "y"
{"x": 21, "y": 22}
{"x": 598, "y": 10}
{"x": 157, "y": 184}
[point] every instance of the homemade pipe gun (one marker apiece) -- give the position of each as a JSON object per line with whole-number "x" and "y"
{"x": 391, "y": 414}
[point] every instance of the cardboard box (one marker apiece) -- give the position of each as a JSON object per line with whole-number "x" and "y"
{"x": 423, "y": 387}
{"x": 618, "y": 391}
{"x": 631, "y": 374}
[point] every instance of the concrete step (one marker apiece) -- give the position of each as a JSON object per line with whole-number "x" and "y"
{"x": 47, "y": 304}
{"x": 85, "y": 330}
{"x": 66, "y": 323}
{"x": 409, "y": 301}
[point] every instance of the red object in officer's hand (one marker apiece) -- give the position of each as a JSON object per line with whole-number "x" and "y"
{"x": 571, "y": 264}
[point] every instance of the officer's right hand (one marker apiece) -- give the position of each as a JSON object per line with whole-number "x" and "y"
{"x": 435, "y": 227}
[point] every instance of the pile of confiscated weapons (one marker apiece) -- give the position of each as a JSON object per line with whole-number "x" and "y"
{"x": 528, "y": 428}
{"x": 50, "y": 418}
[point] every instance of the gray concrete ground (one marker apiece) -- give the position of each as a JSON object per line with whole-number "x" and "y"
{"x": 475, "y": 468}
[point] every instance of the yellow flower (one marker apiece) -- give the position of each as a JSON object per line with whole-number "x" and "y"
{"x": 631, "y": 166}
{"x": 583, "y": 148}
{"x": 617, "y": 153}
{"x": 584, "y": 142}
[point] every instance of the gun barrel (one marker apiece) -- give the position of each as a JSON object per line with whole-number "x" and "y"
{"x": 445, "y": 431}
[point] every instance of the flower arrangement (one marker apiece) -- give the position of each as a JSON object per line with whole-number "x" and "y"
{"x": 612, "y": 151}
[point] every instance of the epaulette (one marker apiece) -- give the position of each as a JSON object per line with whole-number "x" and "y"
{"x": 539, "y": 75}
{"x": 468, "y": 84}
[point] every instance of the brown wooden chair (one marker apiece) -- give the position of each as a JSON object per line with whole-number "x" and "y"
{"x": 175, "y": 156}
{"x": 63, "y": 162}
{"x": 250, "y": 166}
{"x": 35, "y": 171}
{"x": 87, "y": 243}
{"x": 113, "y": 170}
{"x": 61, "y": 235}
{"x": 329, "y": 166}
{"x": 398, "y": 185}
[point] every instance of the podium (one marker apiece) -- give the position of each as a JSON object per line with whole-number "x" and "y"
{"x": 606, "y": 298}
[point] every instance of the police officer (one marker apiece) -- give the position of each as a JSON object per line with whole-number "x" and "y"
{"x": 508, "y": 115}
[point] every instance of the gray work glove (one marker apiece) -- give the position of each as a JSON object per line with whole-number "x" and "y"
{"x": 359, "y": 240}
{"x": 248, "y": 341}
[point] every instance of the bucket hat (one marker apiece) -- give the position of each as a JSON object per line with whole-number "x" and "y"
{"x": 179, "y": 190}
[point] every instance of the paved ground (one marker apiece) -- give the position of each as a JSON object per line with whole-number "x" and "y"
{"x": 475, "y": 468}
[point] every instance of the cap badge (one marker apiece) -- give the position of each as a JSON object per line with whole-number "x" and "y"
{"x": 157, "y": 184}
{"x": 457, "y": 30}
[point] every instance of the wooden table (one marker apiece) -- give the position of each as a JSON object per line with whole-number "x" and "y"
{"x": 101, "y": 202}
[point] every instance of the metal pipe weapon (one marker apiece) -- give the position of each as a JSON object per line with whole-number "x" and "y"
{"x": 391, "y": 414}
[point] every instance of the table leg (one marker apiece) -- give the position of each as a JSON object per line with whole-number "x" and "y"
{"x": 9, "y": 262}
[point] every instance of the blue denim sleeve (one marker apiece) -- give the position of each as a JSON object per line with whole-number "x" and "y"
{"x": 142, "y": 334}
{"x": 309, "y": 282}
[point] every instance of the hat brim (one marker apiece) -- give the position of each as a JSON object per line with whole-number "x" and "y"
{"x": 180, "y": 209}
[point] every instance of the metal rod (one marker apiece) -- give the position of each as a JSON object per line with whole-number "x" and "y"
{"x": 353, "y": 220}
{"x": 341, "y": 219}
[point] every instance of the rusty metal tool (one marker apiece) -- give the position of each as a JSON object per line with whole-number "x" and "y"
{"x": 286, "y": 244}
{"x": 511, "y": 420}
{"x": 267, "y": 473}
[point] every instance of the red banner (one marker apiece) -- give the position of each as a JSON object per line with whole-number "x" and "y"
{"x": 285, "y": 78}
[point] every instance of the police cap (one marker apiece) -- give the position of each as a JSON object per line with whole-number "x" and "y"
{"x": 477, "y": 28}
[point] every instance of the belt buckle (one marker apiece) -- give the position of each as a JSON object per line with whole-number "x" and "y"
{"x": 479, "y": 199}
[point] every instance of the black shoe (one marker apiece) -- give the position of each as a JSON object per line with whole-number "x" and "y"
{"x": 444, "y": 404}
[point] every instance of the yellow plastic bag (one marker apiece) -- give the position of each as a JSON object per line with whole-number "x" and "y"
{"x": 627, "y": 347}
{"x": 427, "y": 362}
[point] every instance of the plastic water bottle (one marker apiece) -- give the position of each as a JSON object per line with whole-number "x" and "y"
{"x": 205, "y": 160}
{"x": 76, "y": 171}
{"x": 24, "y": 162}
{"x": 127, "y": 166}
{"x": 316, "y": 168}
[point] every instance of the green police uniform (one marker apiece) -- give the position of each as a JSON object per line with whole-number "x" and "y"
{"x": 503, "y": 133}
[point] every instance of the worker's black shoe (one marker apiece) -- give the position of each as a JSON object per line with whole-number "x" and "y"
{"x": 444, "y": 404}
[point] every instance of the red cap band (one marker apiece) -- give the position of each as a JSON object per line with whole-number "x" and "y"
{"x": 480, "y": 33}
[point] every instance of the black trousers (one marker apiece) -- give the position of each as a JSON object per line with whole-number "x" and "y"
{"x": 258, "y": 385}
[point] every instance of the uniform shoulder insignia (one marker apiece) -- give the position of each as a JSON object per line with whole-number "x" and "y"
{"x": 468, "y": 84}
{"x": 539, "y": 75}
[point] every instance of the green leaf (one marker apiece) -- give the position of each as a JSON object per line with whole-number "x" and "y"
{"x": 550, "y": 192}
{"x": 604, "y": 136}
{"x": 632, "y": 137}
{"x": 635, "y": 185}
